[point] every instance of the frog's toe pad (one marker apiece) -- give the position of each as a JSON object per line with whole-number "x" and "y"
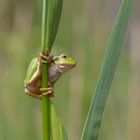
{"x": 47, "y": 92}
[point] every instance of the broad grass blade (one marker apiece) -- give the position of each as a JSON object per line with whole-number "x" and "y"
{"x": 94, "y": 118}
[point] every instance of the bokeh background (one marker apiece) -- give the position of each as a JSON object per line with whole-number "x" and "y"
{"x": 83, "y": 33}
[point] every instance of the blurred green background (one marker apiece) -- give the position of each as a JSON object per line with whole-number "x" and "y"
{"x": 83, "y": 33}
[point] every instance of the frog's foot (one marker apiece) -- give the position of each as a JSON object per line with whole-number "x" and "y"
{"x": 47, "y": 92}
{"x": 48, "y": 58}
{"x": 34, "y": 95}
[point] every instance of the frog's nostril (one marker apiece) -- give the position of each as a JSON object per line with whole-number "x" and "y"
{"x": 55, "y": 58}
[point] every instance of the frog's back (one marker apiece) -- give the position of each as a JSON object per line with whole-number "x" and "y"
{"x": 31, "y": 69}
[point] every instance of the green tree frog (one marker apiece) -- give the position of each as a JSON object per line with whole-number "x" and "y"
{"x": 58, "y": 66}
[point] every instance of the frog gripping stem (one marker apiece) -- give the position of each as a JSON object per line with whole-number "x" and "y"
{"x": 46, "y": 58}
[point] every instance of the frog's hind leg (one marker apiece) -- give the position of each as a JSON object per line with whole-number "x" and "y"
{"x": 48, "y": 91}
{"x": 37, "y": 96}
{"x": 33, "y": 90}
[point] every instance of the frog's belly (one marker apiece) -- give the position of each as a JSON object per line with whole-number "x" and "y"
{"x": 54, "y": 74}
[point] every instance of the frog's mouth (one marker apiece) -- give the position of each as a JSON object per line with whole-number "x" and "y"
{"x": 65, "y": 67}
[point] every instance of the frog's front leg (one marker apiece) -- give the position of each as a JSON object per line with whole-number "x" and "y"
{"x": 48, "y": 58}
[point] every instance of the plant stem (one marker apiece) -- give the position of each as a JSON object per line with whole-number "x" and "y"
{"x": 44, "y": 84}
{"x": 45, "y": 105}
{"x": 44, "y": 27}
{"x": 50, "y": 22}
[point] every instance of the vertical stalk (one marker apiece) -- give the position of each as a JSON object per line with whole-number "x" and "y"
{"x": 45, "y": 105}
{"x": 50, "y": 22}
{"x": 44, "y": 82}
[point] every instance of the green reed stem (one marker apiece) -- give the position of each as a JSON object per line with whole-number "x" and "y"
{"x": 44, "y": 82}
{"x": 50, "y": 22}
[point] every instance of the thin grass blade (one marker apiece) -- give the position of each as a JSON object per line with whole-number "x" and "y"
{"x": 94, "y": 118}
{"x": 57, "y": 129}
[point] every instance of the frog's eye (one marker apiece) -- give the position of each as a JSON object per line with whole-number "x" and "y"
{"x": 64, "y": 56}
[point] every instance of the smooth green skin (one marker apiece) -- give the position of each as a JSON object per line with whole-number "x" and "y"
{"x": 33, "y": 70}
{"x": 63, "y": 59}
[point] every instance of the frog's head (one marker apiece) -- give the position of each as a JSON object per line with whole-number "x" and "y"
{"x": 64, "y": 62}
